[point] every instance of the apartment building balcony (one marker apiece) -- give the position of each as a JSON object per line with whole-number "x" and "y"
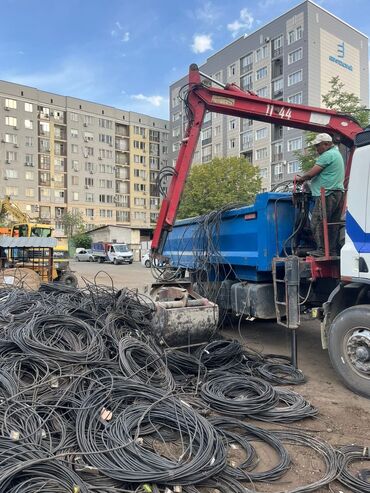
{"x": 246, "y": 68}
{"x": 122, "y": 173}
{"x": 60, "y": 133}
{"x": 122, "y": 145}
{"x": 277, "y": 52}
{"x": 122, "y": 130}
{"x": 276, "y": 133}
{"x": 248, "y": 156}
{"x": 122, "y": 159}
{"x": 277, "y": 157}
{"x": 244, "y": 146}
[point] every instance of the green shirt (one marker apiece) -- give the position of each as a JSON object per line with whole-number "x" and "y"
{"x": 332, "y": 175}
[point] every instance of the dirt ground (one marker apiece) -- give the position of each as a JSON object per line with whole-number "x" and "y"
{"x": 343, "y": 416}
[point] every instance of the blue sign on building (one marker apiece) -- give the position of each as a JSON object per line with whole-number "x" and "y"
{"x": 340, "y": 55}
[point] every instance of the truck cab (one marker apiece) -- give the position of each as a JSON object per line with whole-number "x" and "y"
{"x": 116, "y": 253}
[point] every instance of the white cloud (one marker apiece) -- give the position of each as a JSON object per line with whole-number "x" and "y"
{"x": 126, "y": 37}
{"x": 119, "y": 25}
{"x": 201, "y": 43}
{"x": 244, "y": 23}
{"x": 208, "y": 13}
{"x": 153, "y": 100}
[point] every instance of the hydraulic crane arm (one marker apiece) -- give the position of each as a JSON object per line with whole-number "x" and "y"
{"x": 231, "y": 100}
{"x": 9, "y": 207}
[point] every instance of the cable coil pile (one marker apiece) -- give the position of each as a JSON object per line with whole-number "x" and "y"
{"x": 90, "y": 402}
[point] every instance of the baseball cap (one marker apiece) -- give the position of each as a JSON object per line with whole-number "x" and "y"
{"x": 321, "y": 138}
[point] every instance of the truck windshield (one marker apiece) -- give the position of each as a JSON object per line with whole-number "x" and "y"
{"x": 121, "y": 248}
{"x": 41, "y": 232}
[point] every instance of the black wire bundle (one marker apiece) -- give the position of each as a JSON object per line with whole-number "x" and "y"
{"x": 280, "y": 374}
{"x": 348, "y": 456}
{"x": 109, "y": 431}
{"x": 234, "y": 429}
{"x": 64, "y": 338}
{"x": 221, "y": 355}
{"x": 235, "y": 395}
{"x": 141, "y": 363}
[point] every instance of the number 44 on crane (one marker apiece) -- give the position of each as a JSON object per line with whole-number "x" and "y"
{"x": 259, "y": 269}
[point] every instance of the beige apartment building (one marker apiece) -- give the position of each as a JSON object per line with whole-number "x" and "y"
{"x": 59, "y": 153}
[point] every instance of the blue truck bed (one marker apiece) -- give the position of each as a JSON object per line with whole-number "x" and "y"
{"x": 249, "y": 237}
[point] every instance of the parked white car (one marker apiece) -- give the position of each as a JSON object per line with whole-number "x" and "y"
{"x": 84, "y": 255}
{"x": 146, "y": 261}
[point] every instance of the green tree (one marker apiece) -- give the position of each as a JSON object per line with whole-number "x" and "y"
{"x": 73, "y": 223}
{"x": 220, "y": 182}
{"x": 335, "y": 99}
{"x": 81, "y": 240}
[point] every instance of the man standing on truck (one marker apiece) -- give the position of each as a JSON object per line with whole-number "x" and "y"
{"x": 327, "y": 173}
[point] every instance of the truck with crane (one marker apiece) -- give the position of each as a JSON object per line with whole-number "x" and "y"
{"x": 252, "y": 260}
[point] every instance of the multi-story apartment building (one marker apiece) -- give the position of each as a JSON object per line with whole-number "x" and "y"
{"x": 61, "y": 154}
{"x": 292, "y": 58}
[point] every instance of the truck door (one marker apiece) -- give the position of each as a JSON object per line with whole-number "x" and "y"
{"x": 355, "y": 255}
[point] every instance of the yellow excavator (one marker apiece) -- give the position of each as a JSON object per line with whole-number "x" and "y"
{"x": 24, "y": 227}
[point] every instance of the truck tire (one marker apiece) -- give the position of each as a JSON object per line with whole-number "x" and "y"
{"x": 115, "y": 261}
{"x": 349, "y": 348}
{"x": 147, "y": 263}
{"x": 101, "y": 260}
{"x": 91, "y": 259}
{"x": 69, "y": 279}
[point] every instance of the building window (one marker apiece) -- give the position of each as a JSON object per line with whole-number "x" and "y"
{"x": 12, "y": 191}
{"x": 88, "y": 137}
{"x": 277, "y": 46}
{"x": 11, "y": 121}
{"x": 74, "y": 117}
{"x": 11, "y": 173}
{"x": 232, "y": 143}
{"x": 176, "y": 132}
{"x": 75, "y": 180}
{"x": 263, "y": 92}
{"x": 295, "y": 34}
{"x": 261, "y": 53}
{"x": 11, "y": 156}
{"x": 89, "y": 197}
{"x": 29, "y": 160}
{"x": 106, "y": 139}
{"x": 207, "y": 134}
{"x": 278, "y": 86}
{"x": 11, "y": 138}
{"x": 74, "y": 148}
{"x": 231, "y": 70}
{"x": 294, "y": 166}
{"x": 294, "y": 144}
{"x": 232, "y": 124}
{"x": 89, "y": 213}
{"x": 29, "y": 175}
{"x": 30, "y": 192}
{"x": 28, "y": 124}
{"x": 246, "y": 82}
{"x": 88, "y": 120}
{"x": 217, "y": 131}
{"x": 176, "y": 116}
{"x": 295, "y": 77}
{"x": 261, "y": 153}
{"x": 28, "y": 107}
{"x": 296, "y": 98}
{"x": 261, "y": 133}
{"x": 89, "y": 182}
{"x": 75, "y": 196}
{"x": 246, "y": 63}
{"x": 75, "y": 165}
{"x": 261, "y": 73}
{"x": 29, "y": 141}
{"x": 263, "y": 172}
{"x": 11, "y": 103}
{"x": 74, "y": 133}
{"x": 104, "y": 123}
{"x": 278, "y": 169}
{"x": 89, "y": 151}
{"x": 295, "y": 56}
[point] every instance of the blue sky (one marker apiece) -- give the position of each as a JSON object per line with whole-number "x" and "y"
{"x": 126, "y": 53}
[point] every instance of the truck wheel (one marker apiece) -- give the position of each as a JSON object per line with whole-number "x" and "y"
{"x": 101, "y": 260}
{"x": 147, "y": 263}
{"x": 69, "y": 279}
{"x": 91, "y": 259}
{"x": 349, "y": 348}
{"x": 115, "y": 261}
